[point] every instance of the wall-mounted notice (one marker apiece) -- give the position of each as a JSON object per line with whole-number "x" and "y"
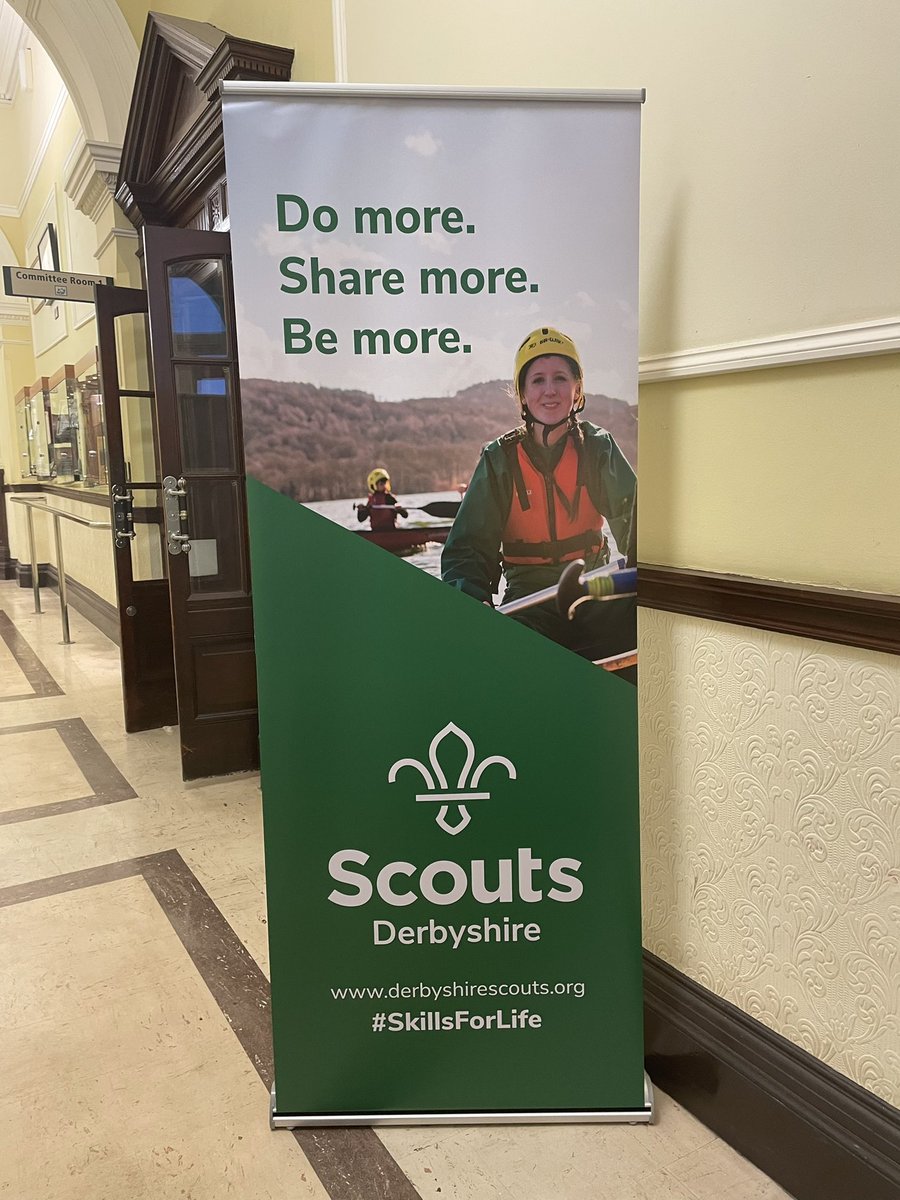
{"x": 52, "y": 285}
{"x": 437, "y": 325}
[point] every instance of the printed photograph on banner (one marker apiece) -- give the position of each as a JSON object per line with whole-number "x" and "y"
{"x": 438, "y": 344}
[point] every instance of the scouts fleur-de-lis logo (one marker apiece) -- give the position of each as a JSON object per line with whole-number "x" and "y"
{"x": 436, "y": 780}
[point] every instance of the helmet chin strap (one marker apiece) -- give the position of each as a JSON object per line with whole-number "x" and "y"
{"x": 546, "y": 430}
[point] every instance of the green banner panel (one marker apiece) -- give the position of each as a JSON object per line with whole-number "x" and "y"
{"x": 451, "y": 831}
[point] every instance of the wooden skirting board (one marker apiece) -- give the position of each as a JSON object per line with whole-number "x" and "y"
{"x": 812, "y": 1130}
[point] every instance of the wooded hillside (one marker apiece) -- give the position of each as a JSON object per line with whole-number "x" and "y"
{"x": 316, "y": 443}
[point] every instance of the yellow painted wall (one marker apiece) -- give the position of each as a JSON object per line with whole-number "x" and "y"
{"x": 13, "y": 175}
{"x": 16, "y": 363}
{"x": 22, "y": 124}
{"x": 12, "y": 228}
{"x": 77, "y": 339}
{"x": 67, "y": 331}
{"x": 771, "y": 156}
{"x": 304, "y": 25}
{"x": 770, "y": 171}
{"x": 787, "y": 474}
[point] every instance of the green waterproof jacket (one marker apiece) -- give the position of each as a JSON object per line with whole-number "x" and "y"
{"x": 472, "y": 559}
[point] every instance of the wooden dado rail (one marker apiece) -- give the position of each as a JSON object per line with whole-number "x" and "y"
{"x": 863, "y": 619}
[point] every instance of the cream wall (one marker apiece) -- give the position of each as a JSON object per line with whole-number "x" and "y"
{"x": 87, "y": 553}
{"x": 24, "y": 124}
{"x": 771, "y": 157}
{"x": 788, "y": 473}
{"x": 770, "y": 176}
{"x": 11, "y": 227}
{"x": 39, "y": 139}
{"x": 303, "y": 24}
{"x": 36, "y": 138}
{"x": 62, "y": 333}
{"x": 770, "y": 830}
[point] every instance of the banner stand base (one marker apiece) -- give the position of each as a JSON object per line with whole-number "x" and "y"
{"x": 629, "y": 1116}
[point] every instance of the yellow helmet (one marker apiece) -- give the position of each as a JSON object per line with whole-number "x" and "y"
{"x": 536, "y": 345}
{"x": 374, "y": 475}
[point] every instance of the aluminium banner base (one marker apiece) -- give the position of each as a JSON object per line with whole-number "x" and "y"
{"x": 631, "y": 1116}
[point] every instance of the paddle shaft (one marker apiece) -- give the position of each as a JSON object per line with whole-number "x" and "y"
{"x": 437, "y": 508}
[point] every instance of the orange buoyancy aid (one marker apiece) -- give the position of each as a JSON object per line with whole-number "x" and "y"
{"x": 552, "y": 518}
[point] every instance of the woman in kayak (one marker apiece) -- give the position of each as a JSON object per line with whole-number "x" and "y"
{"x": 382, "y": 507}
{"x": 540, "y": 497}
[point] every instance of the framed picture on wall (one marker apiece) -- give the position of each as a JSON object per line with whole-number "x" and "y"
{"x": 47, "y": 259}
{"x": 48, "y": 250}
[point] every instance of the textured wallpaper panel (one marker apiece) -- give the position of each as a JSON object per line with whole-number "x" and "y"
{"x": 770, "y": 796}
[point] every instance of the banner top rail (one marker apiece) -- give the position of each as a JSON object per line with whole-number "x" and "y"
{"x": 378, "y": 91}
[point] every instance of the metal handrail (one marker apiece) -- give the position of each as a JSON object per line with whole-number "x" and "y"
{"x": 57, "y": 513}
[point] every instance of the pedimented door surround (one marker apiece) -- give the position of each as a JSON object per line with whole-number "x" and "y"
{"x": 173, "y": 158}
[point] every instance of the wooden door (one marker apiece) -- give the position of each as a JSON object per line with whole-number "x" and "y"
{"x": 148, "y": 667}
{"x": 195, "y": 367}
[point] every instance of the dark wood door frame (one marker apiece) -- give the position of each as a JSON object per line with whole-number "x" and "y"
{"x": 201, "y": 447}
{"x": 172, "y": 174}
{"x": 145, "y": 631}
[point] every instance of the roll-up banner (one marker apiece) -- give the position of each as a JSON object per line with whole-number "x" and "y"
{"x": 436, "y": 295}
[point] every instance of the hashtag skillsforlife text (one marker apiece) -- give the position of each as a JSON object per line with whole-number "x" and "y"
{"x": 437, "y": 1022}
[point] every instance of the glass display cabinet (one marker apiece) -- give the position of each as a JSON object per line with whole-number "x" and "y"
{"x": 91, "y": 423}
{"x": 61, "y": 427}
{"x": 62, "y": 424}
{"x": 31, "y": 430}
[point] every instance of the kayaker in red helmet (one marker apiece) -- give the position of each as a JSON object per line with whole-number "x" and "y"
{"x": 382, "y": 507}
{"x": 538, "y": 500}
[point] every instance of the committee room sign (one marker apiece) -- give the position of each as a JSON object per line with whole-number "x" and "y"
{"x": 51, "y": 285}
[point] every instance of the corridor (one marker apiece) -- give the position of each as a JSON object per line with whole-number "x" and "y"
{"x": 135, "y": 1049}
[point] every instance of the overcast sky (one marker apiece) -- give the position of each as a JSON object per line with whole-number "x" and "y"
{"x": 550, "y": 187}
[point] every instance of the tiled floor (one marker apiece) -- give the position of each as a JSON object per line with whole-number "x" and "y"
{"x": 133, "y": 1001}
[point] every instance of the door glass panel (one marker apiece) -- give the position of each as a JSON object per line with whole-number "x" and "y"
{"x": 148, "y": 558}
{"x": 148, "y": 555}
{"x": 197, "y": 308}
{"x": 216, "y": 526}
{"x": 131, "y": 353}
{"x": 205, "y": 408}
{"x": 138, "y": 439}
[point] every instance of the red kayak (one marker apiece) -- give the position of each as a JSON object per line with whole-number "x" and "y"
{"x": 402, "y": 541}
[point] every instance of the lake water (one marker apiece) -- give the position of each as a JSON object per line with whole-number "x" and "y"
{"x": 428, "y": 558}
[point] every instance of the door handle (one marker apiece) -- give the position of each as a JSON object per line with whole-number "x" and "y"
{"x": 123, "y": 516}
{"x": 175, "y": 508}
